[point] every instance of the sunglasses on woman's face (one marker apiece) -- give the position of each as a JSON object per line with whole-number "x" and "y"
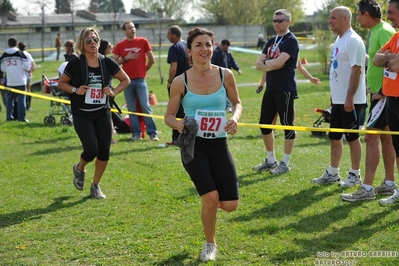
{"x": 89, "y": 40}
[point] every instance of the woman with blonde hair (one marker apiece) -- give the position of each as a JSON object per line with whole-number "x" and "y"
{"x": 87, "y": 78}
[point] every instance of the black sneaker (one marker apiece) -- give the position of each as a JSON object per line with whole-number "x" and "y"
{"x": 78, "y": 177}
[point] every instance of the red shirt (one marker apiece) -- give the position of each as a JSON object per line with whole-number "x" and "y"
{"x": 134, "y": 68}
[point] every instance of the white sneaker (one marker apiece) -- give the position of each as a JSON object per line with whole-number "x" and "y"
{"x": 208, "y": 252}
{"x": 351, "y": 180}
{"x": 282, "y": 168}
{"x": 360, "y": 194}
{"x": 391, "y": 200}
{"x": 385, "y": 189}
{"x": 327, "y": 178}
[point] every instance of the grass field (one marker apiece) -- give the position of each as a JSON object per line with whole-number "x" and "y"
{"x": 152, "y": 212}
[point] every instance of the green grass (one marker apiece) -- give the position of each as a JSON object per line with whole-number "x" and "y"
{"x": 152, "y": 212}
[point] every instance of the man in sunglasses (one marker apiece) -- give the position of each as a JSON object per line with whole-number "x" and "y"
{"x": 135, "y": 53}
{"x": 278, "y": 60}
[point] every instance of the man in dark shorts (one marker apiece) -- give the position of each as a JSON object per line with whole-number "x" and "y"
{"x": 278, "y": 60}
{"x": 348, "y": 96}
{"x": 369, "y": 16}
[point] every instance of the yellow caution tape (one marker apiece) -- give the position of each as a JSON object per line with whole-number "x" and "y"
{"x": 297, "y": 128}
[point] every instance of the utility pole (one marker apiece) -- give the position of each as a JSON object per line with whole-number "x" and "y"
{"x": 43, "y": 28}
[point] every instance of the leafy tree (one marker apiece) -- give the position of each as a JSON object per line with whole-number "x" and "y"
{"x": 323, "y": 40}
{"x": 107, "y": 6}
{"x": 171, "y": 8}
{"x": 250, "y": 12}
{"x": 234, "y": 12}
{"x": 62, "y": 7}
{"x": 175, "y": 9}
{"x": 6, "y": 6}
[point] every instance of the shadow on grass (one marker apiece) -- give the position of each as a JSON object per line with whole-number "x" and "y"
{"x": 339, "y": 240}
{"x": 56, "y": 150}
{"x": 288, "y": 205}
{"x": 22, "y": 216}
{"x": 249, "y": 179}
{"x": 177, "y": 260}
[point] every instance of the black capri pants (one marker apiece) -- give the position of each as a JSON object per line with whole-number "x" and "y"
{"x": 213, "y": 169}
{"x": 95, "y": 133}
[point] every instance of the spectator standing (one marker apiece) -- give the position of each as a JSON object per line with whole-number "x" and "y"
{"x": 3, "y": 92}
{"x": 279, "y": 60}
{"x": 133, "y": 53}
{"x": 261, "y": 41}
{"x": 178, "y": 64}
{"x": 348, "y": 96}
{"x": 369, "y": 16}
{"x": 202, "y": 88}
{"x": 22, "y": 47}
{"x": 105, "y": 49}
{"x": 14, "y": 63}
{"x": 388, "y": 58}
{"x": 70, "y": 53}
{"x": 90, "y": 94}
{"x": 223, "y": 58}
{"x": 58, "y": 45}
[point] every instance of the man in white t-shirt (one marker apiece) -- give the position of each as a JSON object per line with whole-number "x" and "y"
{"x": 348, "y": 95}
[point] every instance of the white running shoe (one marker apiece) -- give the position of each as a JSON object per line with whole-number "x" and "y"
{"x": 391, "y": 200}
{"x": 360, "y": 194}
{"x": 208, "y": 252}
{"x": 385, "y": 189}
{"x": 351, "y": 180}
{"x": 327, "y": 178}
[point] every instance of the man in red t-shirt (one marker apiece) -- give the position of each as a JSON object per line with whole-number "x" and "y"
{"x": 133, "y": 53}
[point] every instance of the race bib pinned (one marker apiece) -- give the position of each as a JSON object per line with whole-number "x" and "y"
{"x": 211, "y": 123}
{"x": 95, "y": 94}
{"x": 390, "y": 74}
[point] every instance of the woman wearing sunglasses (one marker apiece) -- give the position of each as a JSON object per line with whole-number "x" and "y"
{"x": 87, "y": 78}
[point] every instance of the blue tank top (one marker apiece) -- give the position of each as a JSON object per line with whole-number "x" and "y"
{"x": 216, "y": 101}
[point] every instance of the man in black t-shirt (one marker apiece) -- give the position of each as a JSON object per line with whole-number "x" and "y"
{"x": 279, "y": 61}
{"x": 178, "y": 61}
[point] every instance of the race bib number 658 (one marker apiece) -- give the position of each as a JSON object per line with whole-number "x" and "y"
{"x": 211, "y": 123}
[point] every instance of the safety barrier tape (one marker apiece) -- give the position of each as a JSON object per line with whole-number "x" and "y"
{"x": 296, "y": 128}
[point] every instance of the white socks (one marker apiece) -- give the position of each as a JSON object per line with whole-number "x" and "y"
{"x": 286, "y": 159}
{"x": 270, "y": 156}
{"x": 332, "y": 170}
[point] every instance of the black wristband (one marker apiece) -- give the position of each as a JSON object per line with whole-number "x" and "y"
{"x": 123, "y": 59}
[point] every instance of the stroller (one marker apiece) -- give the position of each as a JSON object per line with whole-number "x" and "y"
{"x": 56, "y": 108}
{"x": 325, "y": 117}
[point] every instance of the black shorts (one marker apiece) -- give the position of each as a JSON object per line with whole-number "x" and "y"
{"x": 281, "y": 102}
{"x": 213, "y": 169}
{"x": 342, "y": 119}
{"x": 381, "y": 122}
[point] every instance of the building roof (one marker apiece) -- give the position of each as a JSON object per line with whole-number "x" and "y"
{"x": 82, "y": 17}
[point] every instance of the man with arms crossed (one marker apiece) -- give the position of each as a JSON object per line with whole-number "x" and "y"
{"x": 369, "y": 16}
{"x": 278, "y": 60}
{"x": 388, "y": 58}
